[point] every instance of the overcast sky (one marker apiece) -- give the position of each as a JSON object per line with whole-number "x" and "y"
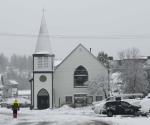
{"x": 89, "y": 20}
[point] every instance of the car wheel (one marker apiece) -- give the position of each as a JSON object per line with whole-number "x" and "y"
{"x": 109, "y": 113}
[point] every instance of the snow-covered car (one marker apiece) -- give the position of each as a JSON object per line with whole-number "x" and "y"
{"x": 111, "y": 108}
{"x": 98, "y": 106}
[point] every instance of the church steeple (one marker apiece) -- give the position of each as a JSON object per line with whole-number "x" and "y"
{"x": 43, "y": 45}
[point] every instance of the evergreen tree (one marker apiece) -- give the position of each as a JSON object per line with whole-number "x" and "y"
{"x": 103, "y": 58}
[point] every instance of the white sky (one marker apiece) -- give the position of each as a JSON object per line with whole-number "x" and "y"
{"x": 100, "y": 18}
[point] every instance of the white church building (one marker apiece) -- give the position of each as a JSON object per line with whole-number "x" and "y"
{"x": 54, "y": 86}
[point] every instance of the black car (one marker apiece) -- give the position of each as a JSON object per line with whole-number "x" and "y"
{"x": 120, "y": 108}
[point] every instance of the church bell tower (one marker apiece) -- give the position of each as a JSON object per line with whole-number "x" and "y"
{"x": 43, "y": 60}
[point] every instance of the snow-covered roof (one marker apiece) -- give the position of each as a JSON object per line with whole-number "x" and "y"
{"x": 24, "y": 92}
{"x": 42, "y": 52}
{"x": 80, "y": 46}
{"x": 43, "y": 42}
{"x": 80, "y": 93}
{"x": 13, "y": 82}
{"x": 57, "y": 62}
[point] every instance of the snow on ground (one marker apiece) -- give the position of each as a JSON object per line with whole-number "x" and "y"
{"x": 66, "y": 116}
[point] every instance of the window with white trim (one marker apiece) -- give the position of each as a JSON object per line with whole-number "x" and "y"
{"x": 39, "y": 62}
{"x": 43, "y": 62}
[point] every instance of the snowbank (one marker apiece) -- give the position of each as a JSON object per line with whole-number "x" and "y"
{"x": 145, "y": 105}
{"x": 66, "y": 116}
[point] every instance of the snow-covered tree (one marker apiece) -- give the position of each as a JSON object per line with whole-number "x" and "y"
{"x": 130, "y": 53}
{"x": 98, "y": 85}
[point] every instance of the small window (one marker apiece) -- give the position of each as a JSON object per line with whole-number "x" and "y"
{"x": 68, "y": 99}
{"x": 80, "y": 100}
{"x": 89, "y": 99}
{"x": 39, "y": 62}
{"x": 45, "y": 62}
{"x": 99, "y": 98}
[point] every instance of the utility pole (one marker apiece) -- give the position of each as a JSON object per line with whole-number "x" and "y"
{"x": 108, "y": 78}
{"x": 108, "y": 66}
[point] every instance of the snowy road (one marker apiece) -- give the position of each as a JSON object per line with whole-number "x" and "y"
{"x": 61, "y": 116}
{"x": 65, "y": 123}
{"x": 66, "y": 116}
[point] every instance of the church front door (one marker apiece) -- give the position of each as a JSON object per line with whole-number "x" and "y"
{"x": 43, "y": 99}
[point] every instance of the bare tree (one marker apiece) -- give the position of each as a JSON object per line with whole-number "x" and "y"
{"x": 130, "y": 53}
{"x": 98, "y": 85}
{"x": 134, "y": 76}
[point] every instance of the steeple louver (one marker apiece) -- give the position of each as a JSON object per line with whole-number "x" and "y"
{"x": 43, "y": 45}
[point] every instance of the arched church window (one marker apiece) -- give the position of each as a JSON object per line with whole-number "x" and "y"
{"x": 80, "y": 77}
{"x": 43, "y": 92}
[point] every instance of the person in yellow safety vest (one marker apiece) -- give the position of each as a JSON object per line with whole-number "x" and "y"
{"x": 15, "y": 108}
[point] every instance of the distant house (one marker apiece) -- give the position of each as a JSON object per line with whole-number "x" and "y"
{"x": 24, "y": 94}
{"x": 119, "y": 66}
{"x": 10, "y": 89}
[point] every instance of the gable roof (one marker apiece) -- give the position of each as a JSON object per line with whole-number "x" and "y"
{"x": 74, "y": 51}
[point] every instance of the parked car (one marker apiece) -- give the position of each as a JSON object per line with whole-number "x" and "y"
{"x": 98, "y": 106}
{"x": 111, "y": 108}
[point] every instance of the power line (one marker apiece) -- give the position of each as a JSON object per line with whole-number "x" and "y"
{"x": 79, "y": 36}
